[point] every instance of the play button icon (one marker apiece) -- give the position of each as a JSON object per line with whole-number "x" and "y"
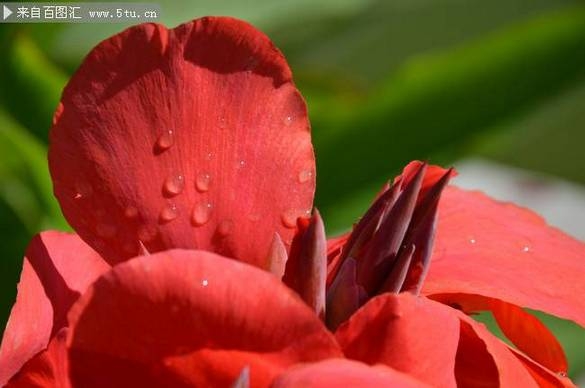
{"x": 6, "y": 12}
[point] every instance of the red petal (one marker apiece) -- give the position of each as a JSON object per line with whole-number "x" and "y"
{"x": 334, "y": 249}
{"x": 485, "y": 361}
{"x": 190, "y": 317}
{"x": 57, "y": 268}
{"x": 277, "y": 257}
{"x": 484, "y": 247}
{"x": 411, "y": 334}
{"x": 346, "y": 373}
{"x": 306, "y": 268}
{"x": 530, "y": 335}
{"x": 238, "y": 167}
{"x": 522, "y": 328}
{"x": 543, "y": 376}
{"x": 432, "y": 175}
{"x": 46, "y": 369}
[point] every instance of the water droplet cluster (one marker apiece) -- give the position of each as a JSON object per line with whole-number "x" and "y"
{"x": 174, "y": 185}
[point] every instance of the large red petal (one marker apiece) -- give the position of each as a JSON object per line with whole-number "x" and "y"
{"x": 237, "y": 166}
{"x": 530, "y": 335}
{"x": 523, "y": 329}
{"x": 190, "y": 317}
{"x": 410, "y": 334}
{"x": 543, "y": 376}
{"x": 344, "y": 373}
{"x": 57, "y": 268}
{"x": 483, "y": 360}
{"x": 46, "y": 369}
{"x": 493, "y": 249}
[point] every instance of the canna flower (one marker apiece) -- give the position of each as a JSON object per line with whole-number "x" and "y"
{"x": 183, "y": 160}
{"x": 487, "y": 256}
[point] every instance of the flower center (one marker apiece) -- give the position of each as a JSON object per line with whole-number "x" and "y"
{"x": 389, "y": 249}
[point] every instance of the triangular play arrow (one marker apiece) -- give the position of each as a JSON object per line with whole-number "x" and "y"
{"x": 7, "y": 12}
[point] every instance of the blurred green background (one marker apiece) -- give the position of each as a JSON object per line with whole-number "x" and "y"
{"x": 386, "y": 82}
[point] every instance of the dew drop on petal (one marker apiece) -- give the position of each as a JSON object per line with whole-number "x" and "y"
{"x": 105, "y": 230}
{"x": 147, "y": 233}
{"x": 82, "y": 190}
{"x": 209, "y": 155}
{"x": 222, "y": 122}
{"x": 289, "y": 218}
{"x": 201, "y": 213}
{"x": 205, "y": 282}
{"x": 174, "y": 184}
{"x": 202, "y": 182}
{"x": 241, "y": 164}
{"x": 168, "y": 213}
{"x": 305, "y": 176}
{"x": 131, "y": 212}
{"x": 472, "y": 241}
{"x": 288, "y": 120}
{"x": 225, "y": 227}
{"x": 526, "y": 249}
{"x": 166, "y": 140}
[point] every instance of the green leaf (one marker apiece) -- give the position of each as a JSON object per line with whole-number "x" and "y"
{"x": 27, "y": 205}
{"x": 15, "y": 236}
{"x": 548, "y": 140}
{"x": 30, "y": 85}
{"x": 26, "y": 185}
{"x": 443, "y": 100}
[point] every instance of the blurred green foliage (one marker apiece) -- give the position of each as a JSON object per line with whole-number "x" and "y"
{"x": 386, "y": 82}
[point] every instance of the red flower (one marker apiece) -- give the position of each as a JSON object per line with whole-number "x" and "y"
{"x": 487, "y": 256}
{"x": 174, "y": 152}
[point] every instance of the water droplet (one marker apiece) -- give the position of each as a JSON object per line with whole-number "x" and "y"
{"x": 288, "y": 120}
{"x": 147, "y": 233}
{"x": 202, "y": 182}
{"x": 105, "y": 230}
{"x": 222, "y": 122}
{"x": 165, "y": 140}
{"x": 82, "y": 190}
{"x": 562, "y": 374}
{"x": 305, "y": 176}
{"x": 241, "y": 163}
{"x": 209, "y": 155}
{"x": 472, "y": 241}
{"x": 225, "y": 227}
{"x": 201, "y": 213}
{"x": 168, "y": 213}
{"x": 174, "y": 184}
{"x": 131, "y": 212}
{"x": 526, "y": 249}
{"x": 204, "y": 282}
{"x": 289, "y": 218}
